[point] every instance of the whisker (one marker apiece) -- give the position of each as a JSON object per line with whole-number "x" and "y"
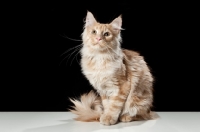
{"x": 77, "y": 60}
{"x": 76, "y": 48}
{"x": 116, "y": 53}
{"x": 109, "y": 52}
{"x": 71, "y": 49}
{"x": 71, "y": 38}
{"x": 75, "y": 57}
{"x": 69, "y": 55}
{"x": 112, "y": 49}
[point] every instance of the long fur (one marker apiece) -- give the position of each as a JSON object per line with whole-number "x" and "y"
{"x": 89, "y": 108}
{"x": 121, "y": 77}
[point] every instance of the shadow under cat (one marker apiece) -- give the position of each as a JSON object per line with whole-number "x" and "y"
{"x": 77, "y": 126}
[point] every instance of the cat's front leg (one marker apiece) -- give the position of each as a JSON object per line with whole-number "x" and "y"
{"x": 107, "y": 118}
{"x": 114, "y": 104}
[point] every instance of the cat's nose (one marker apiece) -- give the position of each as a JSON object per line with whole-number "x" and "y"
{"x": 99, "y": 38}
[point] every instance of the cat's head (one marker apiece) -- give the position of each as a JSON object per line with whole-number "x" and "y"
{"x": 99, "y": 36}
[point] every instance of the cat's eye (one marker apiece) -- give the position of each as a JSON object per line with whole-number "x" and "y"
{"x": 93, "y": 31}
{"x": 106, "y": 34}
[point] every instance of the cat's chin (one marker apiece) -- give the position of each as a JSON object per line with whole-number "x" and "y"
{"x": 98, "y": 47}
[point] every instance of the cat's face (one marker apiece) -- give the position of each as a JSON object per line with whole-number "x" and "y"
{"x": 99, "y": 36}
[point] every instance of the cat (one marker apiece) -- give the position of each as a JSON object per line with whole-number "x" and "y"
{"x": 121, "y": 78}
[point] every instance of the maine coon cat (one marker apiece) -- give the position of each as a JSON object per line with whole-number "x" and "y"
{"x": 121, "y": 77}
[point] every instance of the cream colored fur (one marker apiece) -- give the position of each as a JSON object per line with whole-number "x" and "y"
{"x": 121, "y": 77}
{"x": 89, "y": 108}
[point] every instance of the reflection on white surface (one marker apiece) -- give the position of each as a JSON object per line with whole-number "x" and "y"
{"x": 63, "y": 122}
{"x": 72, "y": 126}
{"x": 75, "y": 126}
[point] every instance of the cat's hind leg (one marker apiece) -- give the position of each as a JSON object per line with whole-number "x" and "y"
{"x": 142, "y": 115}
{"x": 129, "y": 118}
{"x": 135, "y": 111}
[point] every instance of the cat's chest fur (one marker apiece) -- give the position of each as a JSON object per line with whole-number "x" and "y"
{"x": 101, "y": 70}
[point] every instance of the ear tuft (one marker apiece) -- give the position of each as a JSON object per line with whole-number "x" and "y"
{"x": 90, "y": 20}
{"x": 117, "y": 23}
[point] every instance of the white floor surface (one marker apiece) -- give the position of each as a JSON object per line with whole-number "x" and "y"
{"x": 63, "y": 122}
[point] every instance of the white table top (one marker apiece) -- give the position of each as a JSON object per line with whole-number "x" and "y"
{"x": 63, "y": 122}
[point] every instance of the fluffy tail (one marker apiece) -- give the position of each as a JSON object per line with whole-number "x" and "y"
{"x": 89, "y": 108}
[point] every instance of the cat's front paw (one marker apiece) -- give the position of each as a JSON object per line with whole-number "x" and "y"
{"x": 125, "y": 118}
{"x": 108, "y": 119}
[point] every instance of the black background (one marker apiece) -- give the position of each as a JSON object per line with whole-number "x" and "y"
{"x": 36, "y": 76}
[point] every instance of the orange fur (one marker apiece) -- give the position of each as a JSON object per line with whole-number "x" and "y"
{"x": 121, "y": 77}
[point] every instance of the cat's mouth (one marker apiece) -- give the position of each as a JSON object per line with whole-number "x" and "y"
{"x": 99, "y": 44}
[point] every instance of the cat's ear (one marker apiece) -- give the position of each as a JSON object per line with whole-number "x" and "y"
{"x": 90, "y": 20}
{"x": 117, "y": 24}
